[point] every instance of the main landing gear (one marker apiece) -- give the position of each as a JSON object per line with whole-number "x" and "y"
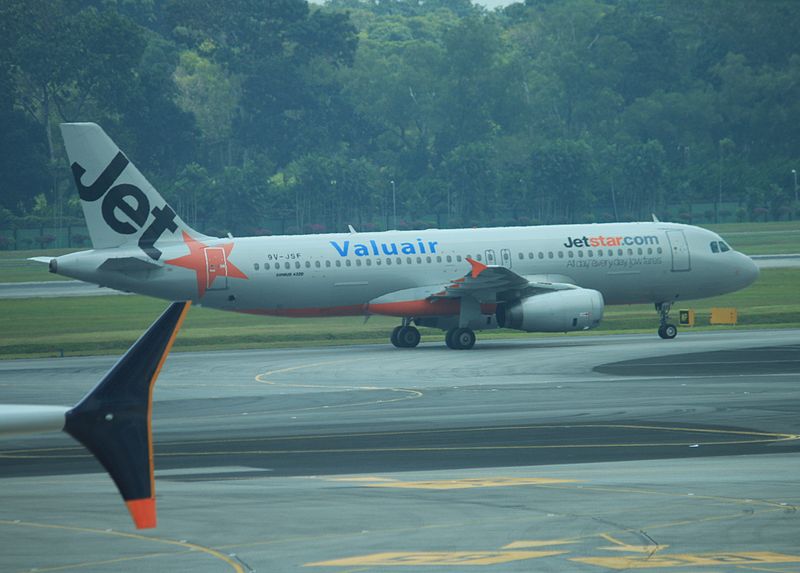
{"x": 405, "y": 336}
{"x": 666, "y": 331}
{"x": 460, "y": 338}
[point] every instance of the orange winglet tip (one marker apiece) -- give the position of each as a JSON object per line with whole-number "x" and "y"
{"x": 477, "y": 268}
{"x": 143, "y": 512}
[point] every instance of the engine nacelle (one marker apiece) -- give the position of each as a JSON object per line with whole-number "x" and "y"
{"x": 557, "y": 311}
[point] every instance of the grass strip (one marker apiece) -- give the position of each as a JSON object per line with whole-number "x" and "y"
{"x": 108, "y": 325}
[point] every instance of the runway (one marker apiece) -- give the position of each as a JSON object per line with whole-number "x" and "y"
{"x": 561, "y": 454}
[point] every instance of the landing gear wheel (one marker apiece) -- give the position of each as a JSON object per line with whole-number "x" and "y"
{"x": 393, "y": 338}
{"x": 460, "y": 339}
{"x": 668, "y": 331}
{"x": 408, "y": 336}
{"x": 448, "y": 338}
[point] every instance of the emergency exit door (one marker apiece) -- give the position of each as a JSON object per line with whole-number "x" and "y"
{"x": 505, "y": 258}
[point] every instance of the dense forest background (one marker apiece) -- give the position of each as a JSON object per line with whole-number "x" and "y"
{"x": 276, "y": 116}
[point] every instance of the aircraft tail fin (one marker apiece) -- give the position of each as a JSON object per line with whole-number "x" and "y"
{"x": 113, "y": 421}
{"x": 120, "y": 206}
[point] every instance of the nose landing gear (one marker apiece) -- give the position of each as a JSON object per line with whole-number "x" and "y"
{"x": 666, "y": 331}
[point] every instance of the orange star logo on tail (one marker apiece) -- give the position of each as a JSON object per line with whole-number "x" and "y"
{"x": 208, "y": 262}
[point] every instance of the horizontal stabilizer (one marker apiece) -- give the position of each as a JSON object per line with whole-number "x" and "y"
{"x": 113, "y": 421}
{"x": 129, "y": 265}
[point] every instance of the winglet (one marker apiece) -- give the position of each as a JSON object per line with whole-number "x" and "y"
{"x": 477, "y": 268}
{"x": 113, "y": 421}
{"x": 143, "y": 512}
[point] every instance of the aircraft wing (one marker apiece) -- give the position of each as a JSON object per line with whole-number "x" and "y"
{"x": 492, "y": 281}
{"x": 485, "y": 283}
{"x": 113, "y": 421}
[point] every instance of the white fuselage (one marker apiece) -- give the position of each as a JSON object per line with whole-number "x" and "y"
{"x": 339, "y": 274}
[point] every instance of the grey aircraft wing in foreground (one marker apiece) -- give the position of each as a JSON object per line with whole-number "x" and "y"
{"x": 113, "y": 421}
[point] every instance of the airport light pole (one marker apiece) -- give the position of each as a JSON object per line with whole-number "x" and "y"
{"x": 794, "y": 172}
{"x": 394, "y": 206}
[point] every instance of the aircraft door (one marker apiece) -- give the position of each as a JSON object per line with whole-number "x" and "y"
{"x": 681, "y": 260}
{"x": 491, "y": 259}
{"x": 216, "y": 268}
{"x": 505, "y": 258}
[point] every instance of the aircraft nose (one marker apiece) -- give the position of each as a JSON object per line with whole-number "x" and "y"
{"x": 747, "y": 270}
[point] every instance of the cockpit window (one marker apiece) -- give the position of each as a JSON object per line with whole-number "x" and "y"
{"x": 723, "y": 247}
{"x": 714, "y": 247}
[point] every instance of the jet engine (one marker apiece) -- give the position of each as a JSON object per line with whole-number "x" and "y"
{"x": 557, "y": 311}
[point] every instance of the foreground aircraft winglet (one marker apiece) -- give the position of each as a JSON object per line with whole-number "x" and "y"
{"x": 113, "y": 421}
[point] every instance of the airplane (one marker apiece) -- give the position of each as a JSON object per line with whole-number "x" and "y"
{"x": 555, "y": 278}
{"x": 113, "y": 421}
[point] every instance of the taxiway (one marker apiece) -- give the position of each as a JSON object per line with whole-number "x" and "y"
{"x": 583, "y": 453}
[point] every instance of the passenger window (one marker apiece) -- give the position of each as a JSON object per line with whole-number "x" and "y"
{"x": 571, "y": 254}
{"x": 560, "y": 254}
{"x": 408, "y": 260}
{"x": 358, "y": 262}
{"x": 449, "y": 259}
{"x": 369, "y": 262}
{"x": 308, "y": 264}
{"x": 288, "y": 266}
{"x": 327, "y": 264}
{"x": 521, "y": 256}
{"x": 530, "y": 255}
{"x": 541, "y": 255}
{"x": 550, "y": 255}
{"x": 590, "y": 253}
{"x": 266, "y": 266}
{"x": 649, "y": 250}
{"x": 316, "y": 264}
{"x": 630, "y": 252}
{"x": 255, "y": 266}
{"x": 378, "y": 262}
{"x": 428, "y": 259}
{"x": 659, "y": 250}
{"x": 639, "y": 250}
{"x": 388, "y": 261}
{"x": 723, "y": 247}
{"x": 297, "y": 264}
{"x": 610, "y": 252}
{"x": 338, "y": 263}
{"x": 619, "y": 252}
{"x": 458, "y": 258}
{"x": 349, "y": 263}
{"x": 439, "y": 259}
{"x": 419, "y": 260}
{"x": 580, "y": 254}
{"x": 399, "y": 260}
{"x": 599, "y": 252}
{"x": 478, "y": 258}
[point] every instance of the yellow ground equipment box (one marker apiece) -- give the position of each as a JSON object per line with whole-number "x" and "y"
{"x": 686, "y": 317}
{"x": 724, "y": 316}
